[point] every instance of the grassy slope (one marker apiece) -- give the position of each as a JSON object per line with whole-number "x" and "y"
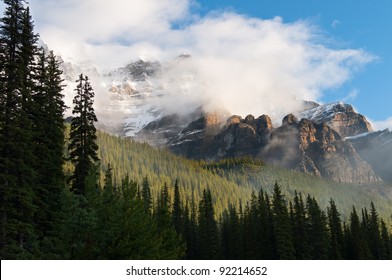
{"x": 230, "y": 184}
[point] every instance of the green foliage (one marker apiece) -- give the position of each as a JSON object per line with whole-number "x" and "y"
{"x": 281, "y": 226}
{"x": 322, "y": 237}
{"x": 139, "y": 160}
{"x": 207, "y": 234}
{"x": 336, "y": 232}
{"x": 232, "y": 180}
{"x": 18, "y": 236}
{"x": 82, "y": 144}
{"x": 146, "y": 196}
{"x": 42, "y": 218}
{"x": 177, "y": 209}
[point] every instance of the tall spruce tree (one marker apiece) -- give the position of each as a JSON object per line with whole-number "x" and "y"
{"x": 162, "y": 215}
{"x": 317, "y": 229}
{"x": 17, "y": 45}
{"x": 336, "y": 236}
{"x": 190, "y": 229}
{"x": 208, "y": 239}
{"x": 300, "y": 234}
{"x": 374, "y": 235}
{"x": 385, "y": 242}
{"x": 177, "y": 209}
{"x": 357, "y": 245}
{"x": 48, "y": 137}
{"x": 281, "y": 225}
{"x": 146, "y": 196}
{"x": 252, "y": 229}
{"x": 83, "y": 147}
{"x": 231, "y": 234}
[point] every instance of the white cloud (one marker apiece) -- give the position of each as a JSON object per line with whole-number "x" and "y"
{"x": 72, "y": 26}
{"x": 102, "y": 21}
{"x": 265, "y": 66}
{"x": 351, "y": 96}
{"x": 336, "y": 23}
{"x": 247, "y": 65}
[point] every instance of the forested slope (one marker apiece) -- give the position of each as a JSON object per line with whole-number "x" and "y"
{"x": 230, "y": 181}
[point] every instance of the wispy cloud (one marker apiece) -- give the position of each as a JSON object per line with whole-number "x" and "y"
{"x": 336, "y": 23}
{"x": 247, "y": 65}
{"x": 351, "y": 96}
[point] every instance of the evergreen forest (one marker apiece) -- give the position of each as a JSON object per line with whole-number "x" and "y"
{"x": 68, "y": 191}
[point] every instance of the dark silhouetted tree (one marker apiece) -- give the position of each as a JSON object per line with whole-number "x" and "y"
{"x": 208, "y": 239}
{"x": 281, "y": 225}
{"x": 335, "y": 232}
{"x": 83, "y": 147}
{"x": 17, "y": 175}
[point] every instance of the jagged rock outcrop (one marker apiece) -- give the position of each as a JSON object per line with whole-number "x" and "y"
{"x": 339, "y": 116}
{"x": 316, "y": 149}
{"x": 157, "y": 132}
{"x": 140, "y": 70}
{"x": 195, "y": 139}
{"x": 326, "y": 154}
{"x": 263, "y": 124}
{"x": 305, "y": 146}
{"x": 237, "y": 140}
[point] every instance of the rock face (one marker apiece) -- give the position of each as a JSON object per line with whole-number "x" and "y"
{"x": 194, "y": 140}
{"x": 157, "y": 132}
{"x": 140, "y": 70}
{"x": 376, "y": 149}
{"x": 339, "y": 116}
{"x": 300, "y": 145}
{"x": 323, "y": 152}
{"x": 305, "y": 146}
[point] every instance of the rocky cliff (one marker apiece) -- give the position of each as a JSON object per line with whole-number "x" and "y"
{"x": 301, "y": 145}
{"x": 376, "y": 149}
{"x": 339, "y": 116}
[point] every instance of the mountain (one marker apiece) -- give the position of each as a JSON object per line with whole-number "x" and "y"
{"x": 316, "y": 141}
{"x": 339, "y": 116}
{"x": 376, "y": 149}
{"x": 230, "y": 180}
{"x": 303, "y": 145}
{"x": 130, "y": 97}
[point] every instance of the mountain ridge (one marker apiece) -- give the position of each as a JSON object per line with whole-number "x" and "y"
{"x": 132, "y": 109}
{"x": 299, "y": 145}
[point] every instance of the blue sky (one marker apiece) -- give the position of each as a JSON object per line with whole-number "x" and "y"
{"x": 350, "y": 23}
{"x": 354, "y": 38}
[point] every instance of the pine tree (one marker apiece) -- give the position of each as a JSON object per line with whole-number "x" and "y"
{"x": 317, "y": 230}
{"x": 208, "y": 239}
{"x": 48, "y": 137}
{"x": 385, "y": 242}
{"x": 190, "y": 230}
{"x": 374, "y": 235}
{"x": 108, "y": 182}
{"x": 335, "y": 232}
{"x": 300, "y": 234}
{"x": 357, "y": 247}
{"x": 231, "y": 234}
{"x": 146, "y": 195}
{"x": 177, "y": 209}
{"x": 163, "y": 218}
{"x": 281, "y": 225}
{"x": 365, "y": 226}
{"x": 252, "y": 229}
{"x": 83, "y": 147}
{"x": 162, "y": 212}
{"x": 269, "y": 248}
{"x": 17, "y": 175}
